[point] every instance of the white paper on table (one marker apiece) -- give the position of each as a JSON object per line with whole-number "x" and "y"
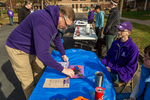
{"x": 64, "y": 64}
{"x": 56, "y": 83}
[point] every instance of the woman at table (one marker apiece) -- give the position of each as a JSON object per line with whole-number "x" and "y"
{"x": 28, "y": 44}
{"x": 142, "y": 89}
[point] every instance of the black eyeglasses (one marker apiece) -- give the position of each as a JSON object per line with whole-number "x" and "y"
{"x": 65, "y": 22}
{"x": 121, "y": 31}
{"x": 147, "y": 58}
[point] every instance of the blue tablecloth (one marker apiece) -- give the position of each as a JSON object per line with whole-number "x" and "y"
{"x": 78, "y": 87}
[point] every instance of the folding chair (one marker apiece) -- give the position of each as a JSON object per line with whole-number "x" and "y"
{"x": 129, "y": 83}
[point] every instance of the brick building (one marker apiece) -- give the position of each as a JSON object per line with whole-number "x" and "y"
{"x": 138, "y": 4}
{"x": 77, "y": 5}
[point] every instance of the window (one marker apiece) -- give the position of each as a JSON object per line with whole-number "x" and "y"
{"x": 82, "y": 0}
{"x": 76, "y": 5}
{"x": 72, "y": 5}
{"x": 80, "y": 5}
{"x": 59, "y": 0}
{"x": 93, "y": 0}
{"x": 74, "y": 0}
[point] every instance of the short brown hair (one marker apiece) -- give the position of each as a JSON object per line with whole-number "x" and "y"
{"x": 147, "y": 50}
{"x": 116, "y": 1}
{"x": 27, "y": 2}
{"x": 67, "y": 11}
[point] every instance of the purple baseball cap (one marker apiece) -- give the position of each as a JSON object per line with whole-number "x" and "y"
{"x": 125, "y": 25}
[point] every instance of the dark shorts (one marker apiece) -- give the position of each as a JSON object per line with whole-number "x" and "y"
{"x": 91, "y": 21}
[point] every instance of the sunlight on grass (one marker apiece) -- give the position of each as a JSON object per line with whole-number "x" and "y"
{"x": 141, "y": 15}
{"x": 141, "y": 36}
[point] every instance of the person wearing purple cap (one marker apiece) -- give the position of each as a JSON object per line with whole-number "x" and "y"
{"x": 121, "y": 59}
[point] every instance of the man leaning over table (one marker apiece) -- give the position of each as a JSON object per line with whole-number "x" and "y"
{"x": 28, "y": 44}
{"x": 121, "y": 59}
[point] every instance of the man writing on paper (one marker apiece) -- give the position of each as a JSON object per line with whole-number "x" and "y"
{"x": 28, "y": 44}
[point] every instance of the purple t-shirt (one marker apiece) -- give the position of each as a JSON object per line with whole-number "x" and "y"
{"x": 10, "y": 13}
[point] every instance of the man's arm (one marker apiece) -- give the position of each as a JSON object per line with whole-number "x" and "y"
{"x": 20, "y": 16}
{"x": 42, "y": 40}
{"x": 136, "y": 89}
{"x": 58, "y": 43}
{"x": 101, "y": 19}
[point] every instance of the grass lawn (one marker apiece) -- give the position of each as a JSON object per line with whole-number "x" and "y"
{"x": 6, "y": 18}
{"x": 140, "y": 36}
{"x": 141, "y": 15}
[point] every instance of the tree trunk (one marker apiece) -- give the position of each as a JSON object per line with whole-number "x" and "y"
{"x": 120, "y": 6}
{"x": 42, "y": 4}
{"x": 1, "y": 13}
{"x": 135, "y": 4}
{"x": 97, "y": 2}
{"x": 145, "y": 5}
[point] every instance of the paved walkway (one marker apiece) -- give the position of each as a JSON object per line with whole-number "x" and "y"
{"x": 144, "y": 22}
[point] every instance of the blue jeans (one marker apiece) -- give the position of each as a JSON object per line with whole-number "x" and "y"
{"x": 121, "y": 96}
{"x": 11, "y": 20}
{"x": 115, "y": 77}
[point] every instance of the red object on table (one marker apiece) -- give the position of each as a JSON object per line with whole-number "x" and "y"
{"x": 99, "y": 92}
{"x": 77, "y": 27}
{"x": 77, "y": 31}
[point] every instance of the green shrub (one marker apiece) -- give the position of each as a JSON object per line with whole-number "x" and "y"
{"x": 4, "y": 11}
{"x": 14, "y": 11}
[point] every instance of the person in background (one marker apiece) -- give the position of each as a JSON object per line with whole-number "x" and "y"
{"x": 142, "y": 89}
{"x": 98, "y": 28}
{"x": 44, "y": 6}
{"x": 11, "y": 15}
{"x": 31, "y": 10}
{"x": 99, "y": 20}
{"x": 24, "y": 11}
{"x": 110, "y": 31}
{"x": 121, "y": 59}
{"x": 91, "y": 17}
{"x": 35, "y": 8}
{"x": 28, "y": 44}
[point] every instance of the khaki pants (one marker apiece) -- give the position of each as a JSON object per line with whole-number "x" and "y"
{"x": 28, "y": 68}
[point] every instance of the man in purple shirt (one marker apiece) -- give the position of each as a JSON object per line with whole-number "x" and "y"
{"x": 11, "y": 15}
{"x": 28, "y": 44}
{"x": 121, "y": 59}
